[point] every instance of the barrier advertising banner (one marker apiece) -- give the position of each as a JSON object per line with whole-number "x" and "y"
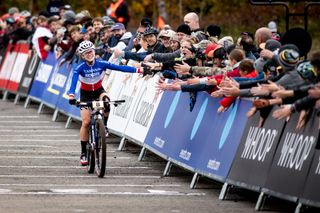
{"x": 218, "y": 137}
{"x": 42, "y": 77}
{"x": 293, "y": 158}
{"x": 201, "y": 140}
{"x": 63, "y": 102}
{"x": 127, "y": 89}
{"x": 28, "y": 74}
{"x": 147, "y": 102}
{"x": 55, "y": 85}
{"x": 8, "y": 63}
{"x": 256, "y": 151}
{"x": 18, "y": 68}
{"x": 311, "y": 194}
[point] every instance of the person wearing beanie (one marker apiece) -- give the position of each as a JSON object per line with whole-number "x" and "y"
{"x": 69, "y": 16}
{"x": 213, "y": 31}
{"x": 183, "y": 31}
{"x": 146, "y": 22}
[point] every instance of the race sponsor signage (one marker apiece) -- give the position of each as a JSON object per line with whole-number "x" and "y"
{"x": 293, "y": 158}
{"x": 256, "y": 151}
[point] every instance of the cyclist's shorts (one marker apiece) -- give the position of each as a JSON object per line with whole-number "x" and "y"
{"x": 86, "y": 96}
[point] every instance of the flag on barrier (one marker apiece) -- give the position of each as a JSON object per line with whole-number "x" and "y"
{"x": 8, "y": 63}
{"x": 18, "y": 68}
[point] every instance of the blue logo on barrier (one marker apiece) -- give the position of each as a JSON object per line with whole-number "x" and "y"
{"x": 199, "y": 119}
{"x": 228, "y": 125}
{"x": 172, "y": 109}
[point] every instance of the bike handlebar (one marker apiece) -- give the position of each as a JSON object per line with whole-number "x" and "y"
{"x": 98, "y": 104}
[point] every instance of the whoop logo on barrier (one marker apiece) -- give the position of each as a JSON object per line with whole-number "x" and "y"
{"x": 199, "y": 119}
{"x": 172, "y": 109}
{"x": 228, "y": 125}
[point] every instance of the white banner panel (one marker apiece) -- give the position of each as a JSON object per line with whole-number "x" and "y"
{"x": 128, "y": 89}
{"x": 147, "y": 104}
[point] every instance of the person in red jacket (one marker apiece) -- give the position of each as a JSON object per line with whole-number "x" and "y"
{"x": 246, "y": 69}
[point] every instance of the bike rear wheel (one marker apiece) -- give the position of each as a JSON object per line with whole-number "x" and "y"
{"x": 100, "y": 149}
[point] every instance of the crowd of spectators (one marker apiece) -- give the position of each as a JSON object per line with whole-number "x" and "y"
{"x": 259, "y": 65}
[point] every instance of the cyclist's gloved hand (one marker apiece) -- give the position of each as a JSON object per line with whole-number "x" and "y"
{"x": 147, "y": 70}
{"x": 72, "y": 100}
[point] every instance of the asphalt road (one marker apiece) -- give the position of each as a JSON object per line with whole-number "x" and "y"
{"x": 40, "y": 172}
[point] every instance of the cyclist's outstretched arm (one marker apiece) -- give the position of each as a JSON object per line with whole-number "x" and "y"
{"x": 122, "y": 68}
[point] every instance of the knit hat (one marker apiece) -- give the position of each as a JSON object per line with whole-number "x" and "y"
{"x": 306, "y": 71}
{"x": 184, "y": 28}
{"x": 107, "y": 21}
{"x": 69, "y": 16}
{"x": 214, "y": 30}
{"x": 146, "y": 22}
{"x": 288, "y": 59}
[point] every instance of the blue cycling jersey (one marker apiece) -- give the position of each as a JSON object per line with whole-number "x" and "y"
{"x": 91, "y": 76}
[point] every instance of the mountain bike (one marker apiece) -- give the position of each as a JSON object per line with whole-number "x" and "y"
{"x": 97, "y": 146}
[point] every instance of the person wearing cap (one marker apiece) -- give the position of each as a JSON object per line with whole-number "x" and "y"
{"x": 165, "y": 36}
{"x": 154, "y": 46}
{"x": 120, "y": 33}
{"x": 118, "y": 10}
{"x": 183, "y": 31}
{"x": 53, "y": 7}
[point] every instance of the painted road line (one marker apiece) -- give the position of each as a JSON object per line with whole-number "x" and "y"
{"x": 24, "y": 122}
{"x": 34, "y": 146}
{"x": 41, "y": 151}
{"x": 52, "y": 157}
{"x": 37, "y": 135}
{"x": 19, "y": 116}
{"x": 82, "y": 176}
{"x": 34, "y": 127}
{"x": 90, "y": 185}
{"x": 64, "y": 192}
{"x": 40, "y": 140}
{"x": 75, "y": 167}
{"x": 33, "y": 130}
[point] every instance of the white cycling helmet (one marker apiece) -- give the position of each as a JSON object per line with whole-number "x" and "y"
{"x": 84, "y": 46}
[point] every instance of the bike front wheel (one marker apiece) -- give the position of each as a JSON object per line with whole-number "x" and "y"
{"x": 101, "y": 149}
{"x": 90, "y": 158}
